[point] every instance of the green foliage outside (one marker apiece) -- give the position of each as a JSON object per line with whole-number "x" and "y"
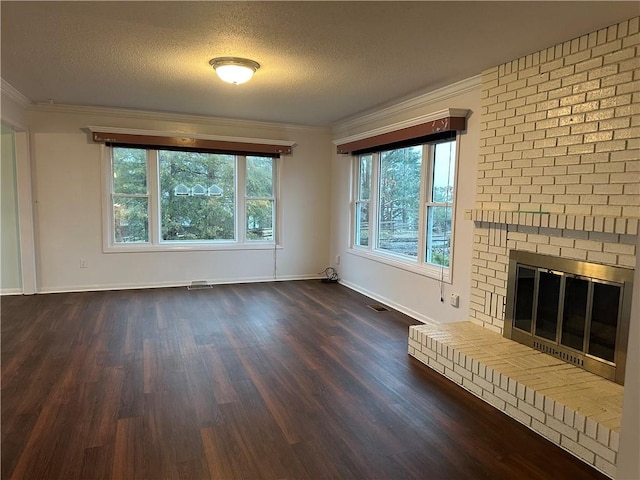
{"x": 197, "y": 196}
{"x": 130, "y": 199}
{"x": 259, "y": 201}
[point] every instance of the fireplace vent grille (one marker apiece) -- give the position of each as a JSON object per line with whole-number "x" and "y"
{"x": 567, "y": 357}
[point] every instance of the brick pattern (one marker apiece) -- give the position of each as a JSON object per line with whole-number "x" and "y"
{"x": 560, "y": 128}
{"x": 623, "y": 225}
{"x": 559, "y": 163}
{"x": 572, "y": 408}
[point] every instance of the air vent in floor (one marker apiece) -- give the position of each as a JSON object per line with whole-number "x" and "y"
{"x": 378, "y": 308}
{"x": 199, "y": 285}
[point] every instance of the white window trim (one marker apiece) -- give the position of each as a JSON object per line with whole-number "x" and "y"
{"x": 155, "y": 243}
{"x": 371, "y": 252}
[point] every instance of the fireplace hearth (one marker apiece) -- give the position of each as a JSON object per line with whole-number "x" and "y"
{"x": 574, "y": 310}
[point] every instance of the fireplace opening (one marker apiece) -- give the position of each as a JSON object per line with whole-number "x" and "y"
{"x": 576, "y": 311}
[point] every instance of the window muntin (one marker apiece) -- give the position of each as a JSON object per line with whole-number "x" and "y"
{"x": 166, "y": 199}
{"x": 410, "y": 193}
{"x": 129, "y": 196}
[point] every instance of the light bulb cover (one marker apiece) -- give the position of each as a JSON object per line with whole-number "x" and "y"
{"x": 233, "y": 69}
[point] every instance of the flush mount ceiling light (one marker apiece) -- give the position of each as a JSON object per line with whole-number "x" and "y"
{"x": 234, "y": 70}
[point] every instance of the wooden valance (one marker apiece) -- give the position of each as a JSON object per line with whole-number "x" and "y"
{"x": 435, "y": 125}
{"x": 198, "y": 143}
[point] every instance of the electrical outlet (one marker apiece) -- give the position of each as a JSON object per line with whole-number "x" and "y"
{"x": 83, "y": 263}
{"x": 455, "y": 300}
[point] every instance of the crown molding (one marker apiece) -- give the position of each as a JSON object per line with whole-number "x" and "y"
{"x": 13, "y": 94}
{"x": 174, "y": 117}
{"x": 441, "y": 94}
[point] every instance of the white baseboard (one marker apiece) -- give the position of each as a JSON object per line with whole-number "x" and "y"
{"x": 138, "y": 286}
{"x": 10, "y": 291}
{"x": 396, "y": 306}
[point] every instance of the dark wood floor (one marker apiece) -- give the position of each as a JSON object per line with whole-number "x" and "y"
{"x": 297, "y": 380}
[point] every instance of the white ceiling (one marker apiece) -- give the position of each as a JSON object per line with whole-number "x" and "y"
{"x": 321, "y": 62}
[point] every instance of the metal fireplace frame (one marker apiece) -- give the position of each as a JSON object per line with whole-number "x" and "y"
{"x": 623, "y": 277}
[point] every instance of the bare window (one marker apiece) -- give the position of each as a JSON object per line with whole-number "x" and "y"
{"x": 409, "y": 192}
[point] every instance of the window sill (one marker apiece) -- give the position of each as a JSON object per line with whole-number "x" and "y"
{"x": 429, "y": 271}
{"x": 190, "y": 247}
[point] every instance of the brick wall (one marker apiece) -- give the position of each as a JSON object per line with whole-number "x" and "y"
{"x": 559, "y": 164}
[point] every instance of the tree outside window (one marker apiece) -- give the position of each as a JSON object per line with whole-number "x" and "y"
{"x": 399, "y": 200}
{"x": 197, "y": 215}
{"x": 130, "y": 195}
{"x": 260, "y": 199}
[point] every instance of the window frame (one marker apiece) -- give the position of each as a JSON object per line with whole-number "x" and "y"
{"x": 155, "y": 242}
{"x": 418, "y": 265}
{"x": 359, "y": 200}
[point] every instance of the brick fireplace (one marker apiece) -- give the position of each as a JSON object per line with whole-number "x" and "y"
{"x": 558, "y": 174}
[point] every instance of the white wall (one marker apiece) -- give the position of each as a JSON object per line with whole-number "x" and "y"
{"x": 414, "y": 294}
{"x": 10, "y": 275}
{"x": 68, "y": 212}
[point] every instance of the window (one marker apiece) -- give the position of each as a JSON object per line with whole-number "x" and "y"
{"x": 362, "y": 201}
{"x": 130, "y": 197}
{"x": 188, "y": 210}
{"x": 439, "y": 204}
{"x": 163, "y": 199}
{"x": 409, "y": 192}
{"x": 399, "y": 200}
{"x": 260, "y": 199}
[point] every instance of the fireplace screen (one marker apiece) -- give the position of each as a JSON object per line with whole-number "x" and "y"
{"x": 577, "y": 311}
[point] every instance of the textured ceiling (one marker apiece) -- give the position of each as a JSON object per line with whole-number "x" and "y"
{"x": 321, "y": 62}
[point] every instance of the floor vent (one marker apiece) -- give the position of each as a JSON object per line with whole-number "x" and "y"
{"x": 199, "y": 285}
{"x": 378, "y": 308}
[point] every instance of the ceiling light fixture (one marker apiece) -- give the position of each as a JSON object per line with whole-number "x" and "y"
{"x": 234, "y": 70}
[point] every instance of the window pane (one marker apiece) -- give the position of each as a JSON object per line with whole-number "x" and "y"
{"x": 129, "y": 170}
{"x": 197, "y": 196}
{"x": 439, "y": 235}
{"x": 362, "y": 224}
{"x": 443, "y": 173}
{"x": 399, "y": 208}
{"x": 364, "y": 190}
{"x": 259, "y": 219}
{"x": 259, "y": 177}
{"x": 130, "y": 219}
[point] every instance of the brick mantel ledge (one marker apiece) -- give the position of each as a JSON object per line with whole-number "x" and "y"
{"x": 616, "y": 225}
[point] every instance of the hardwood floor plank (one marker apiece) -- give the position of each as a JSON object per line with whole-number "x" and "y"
{"x": 96, "y": 463}
{"x": 126, "y": 448}
{"x": 283, "y": 380}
